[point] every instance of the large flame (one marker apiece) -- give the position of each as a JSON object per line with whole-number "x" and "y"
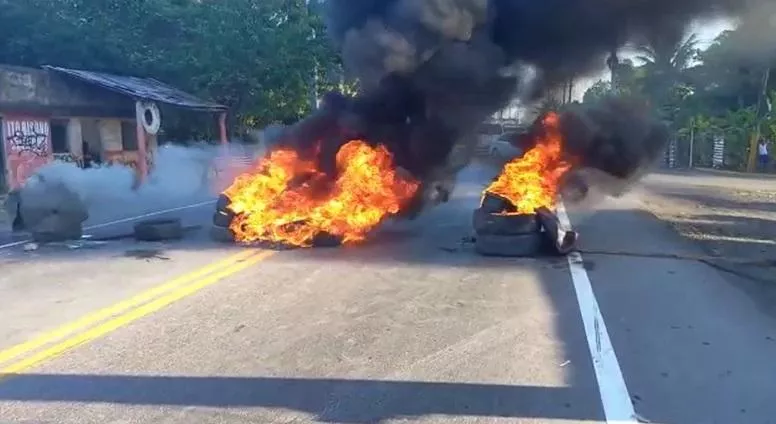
{"x": 531, "y": 181}
{"x": 288, "y": 200}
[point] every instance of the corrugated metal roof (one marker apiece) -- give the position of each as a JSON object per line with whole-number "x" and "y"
{"x": 142, "y": 88}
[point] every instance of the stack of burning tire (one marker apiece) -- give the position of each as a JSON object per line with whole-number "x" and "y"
{"x": 501, "y": 231}
{"x": 222, "y": 218}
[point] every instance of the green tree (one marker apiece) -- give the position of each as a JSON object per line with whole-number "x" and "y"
{"x": 597, "y": 91}
{"x": 665, "y": 59}
{"x": 258, "y": 57}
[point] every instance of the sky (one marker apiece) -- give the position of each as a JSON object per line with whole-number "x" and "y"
{"x": 706, "y": 32}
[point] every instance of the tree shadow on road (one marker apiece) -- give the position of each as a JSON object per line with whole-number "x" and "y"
{"x": 720, "y": 202}
{"x": 329, "y": 400}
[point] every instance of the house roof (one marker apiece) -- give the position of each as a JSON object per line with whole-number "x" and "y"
{"x": 142, "y": 88}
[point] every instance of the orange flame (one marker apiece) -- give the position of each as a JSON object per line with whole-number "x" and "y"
{"x": 289, "y": 200}
{"x": 531, "y": 181}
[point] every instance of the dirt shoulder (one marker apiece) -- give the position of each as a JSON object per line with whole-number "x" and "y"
{"x": 732, "y": 217}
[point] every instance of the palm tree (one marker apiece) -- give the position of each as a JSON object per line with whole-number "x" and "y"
{"x": 665, "y": 57}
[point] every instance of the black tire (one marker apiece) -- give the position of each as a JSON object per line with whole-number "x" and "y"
{"x": 326, "y": 240}
{"x": 223, "y": 219}
{"x": 221, "y": 234}
{"x": 159, "y": 230}
{"x": 493, "y": 203}
{"x": 522, "y": 245}
{"x": 490, "y": 223}
{"x": 222, "y": 203}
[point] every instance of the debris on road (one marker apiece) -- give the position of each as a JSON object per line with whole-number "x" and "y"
{"x": 159, "y": 230}
{"x": 563, "y": 240}
{"x": 146, "y": 254}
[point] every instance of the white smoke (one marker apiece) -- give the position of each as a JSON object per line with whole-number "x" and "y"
{"x": 179, "y": 175}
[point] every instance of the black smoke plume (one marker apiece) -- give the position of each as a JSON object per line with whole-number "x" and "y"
{"x": 432, "y": 70}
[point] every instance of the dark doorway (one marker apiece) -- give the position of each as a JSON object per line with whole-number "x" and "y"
{"x": 59, "y": 136}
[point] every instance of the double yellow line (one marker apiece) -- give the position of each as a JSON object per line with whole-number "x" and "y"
{"x": 97, "y": 324}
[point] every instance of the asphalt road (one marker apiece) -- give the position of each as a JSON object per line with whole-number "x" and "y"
{"x": 411, "y": 327}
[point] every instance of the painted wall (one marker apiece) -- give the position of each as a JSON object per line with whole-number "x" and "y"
{"x": 27, "y": 147}
{"x": 110, "y": 134}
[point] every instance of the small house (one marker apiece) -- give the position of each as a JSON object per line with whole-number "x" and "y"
{"x": 81, "y": 116}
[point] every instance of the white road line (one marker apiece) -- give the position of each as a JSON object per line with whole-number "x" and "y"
{"x": 123, "y": 220}
{"x": 618, "y": 407}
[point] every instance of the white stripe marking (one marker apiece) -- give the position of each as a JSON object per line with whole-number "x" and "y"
{"x": 123, "y": 220}
{"x": 617, "y": 404}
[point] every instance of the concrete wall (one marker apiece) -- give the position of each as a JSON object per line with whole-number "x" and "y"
{"x": 110, "y": 134}
{"x": 44, "y": 93}
{"x": 75, "y": 137}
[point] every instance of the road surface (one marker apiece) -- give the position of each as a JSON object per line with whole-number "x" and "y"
{"x": 412, "y": 327}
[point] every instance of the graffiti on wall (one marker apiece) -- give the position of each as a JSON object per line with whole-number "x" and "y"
{"x": 27, "y": 143}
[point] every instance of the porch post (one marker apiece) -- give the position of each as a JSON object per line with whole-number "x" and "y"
{"x": 142, "y": 165}
{"x": 222, "y": 128}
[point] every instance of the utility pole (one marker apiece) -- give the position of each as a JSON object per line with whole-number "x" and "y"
{"x": 313, "y": 7}
{"x": 752, "y": 162}
{"x": 613, "y": 63}
{"x": 692, "y": 142}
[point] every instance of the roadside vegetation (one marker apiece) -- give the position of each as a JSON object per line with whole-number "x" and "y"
{"x": 265, "y": 59}
{"x": 722, "y": 91}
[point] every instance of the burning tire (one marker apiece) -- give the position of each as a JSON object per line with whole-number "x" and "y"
{"x": 494, "y": 223}
{"x": 522, "y": 245}
{"x": 221, "y": 234}
{"x": 158, "y": 230}
{"x": 222, "y": 219}
{"x": 223, "y": 216}
{"x": 222, "y": 204}
{"x": 493, "y": 203}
